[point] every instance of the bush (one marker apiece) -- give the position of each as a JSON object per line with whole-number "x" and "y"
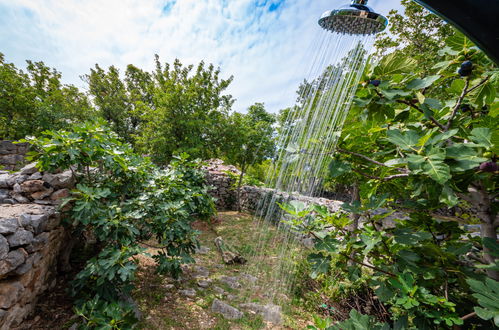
{"x": 124, "y": 200}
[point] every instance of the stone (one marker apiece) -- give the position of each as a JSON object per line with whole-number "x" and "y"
{"x": 17, "y": 188}
{"x": 35, "y": 176}
{"x": 4, "y": 247}
{"x": 191, "y": 293}
{"x": 248, "y": 278}
{"x": 9, "y": 293}
{"x": 32, "y": 186}
{"x": 202, "y": 250}
{"x": 13, "y": 260}
{"x": 8, "y": 225}
{"x": 38, "y": 242}
{"x": 227, "y": 311}
{"x": 3, "y": 180}
{"x": 29, "y": 169}
{"x": 60, "y": 180}
{"x": 16, "y": 178}
{"x": 230, "y": 281}
{"x": 169, "y": 286}
{"x": 31, "y": 261}
{"x": 204, "y": 284}
{"x": 20, "y": 198}
{"x": 60, "y": 194}
{"x": 270, "y": 313}
{"x": 42, "y": 194}
{"x": 20, "y": 237}
{"x": 200, "y": 271}
{"x": 218, "y": 290}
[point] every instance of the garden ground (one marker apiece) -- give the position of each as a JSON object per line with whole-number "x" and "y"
{"x": 166, "y": 303}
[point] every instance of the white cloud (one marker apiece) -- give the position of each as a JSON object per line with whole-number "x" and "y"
{"x": 268, "y": 52}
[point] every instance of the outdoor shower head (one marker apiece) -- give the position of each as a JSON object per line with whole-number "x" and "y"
{"x": 354, "y": 19}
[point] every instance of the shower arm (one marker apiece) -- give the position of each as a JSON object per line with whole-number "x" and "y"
{"x": 477, "y": 19}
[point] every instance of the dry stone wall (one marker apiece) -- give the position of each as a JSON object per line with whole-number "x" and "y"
{"x": 12, "y": 155}
{"x": 252, "y": 198}
{"x": 31, "y": 238}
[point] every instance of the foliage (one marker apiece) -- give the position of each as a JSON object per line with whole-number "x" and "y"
{"x": 36, "y": 100}
{"x": 124, "y": 200}
{"x": 250, "y": 139}
{"x": 171, "y": 110}
{"x": 424, "y": 140}
{"x": 486, "y": 293}
{"x": 100, "y": 314}
{"x": 420, "y": 34}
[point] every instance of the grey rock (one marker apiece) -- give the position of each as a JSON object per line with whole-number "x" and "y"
{"x": 204, "y": 284}
{"x": 13, "y": 260}
{"x": 60, "y": 180}
{"x": 227, "y": 311}
{"x": 35, "y": 176}
{"x": 203, "y": 250}
{"x": 29, "y": 169}
{"x": 248, "y": 278}
{"x": 9, "y": 201}
{"x": 36, "y": 223}
{"x": 38, "y": 242}
{"x": 42, "y": 202}
{"x": 17, "y": 188}
{"x": 28, "y": 264}
{"x": 168, "y": 286}
{"x": 4, "y": 193}
{"x": 20, "y": 198}
{"x": 191, "y": 293}
{"x": 8, "y": 225}
{"x": 230, "y": 297}
{"x": 3, "y": 312}
{"x": 4, "y": 247}
{"x": 20, "y": 237}
{"x": 3, "y": 180}
{"x": 218, "y": 290}
{"x": 230, "y": 281}
{"x": 16, "y": 178}
{"x": 42, "y": 194}
{"x": 200, "y": 271}
{"x": 270, "y": 313}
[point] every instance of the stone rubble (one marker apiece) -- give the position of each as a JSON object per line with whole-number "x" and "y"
{"x": 227, "y": 311}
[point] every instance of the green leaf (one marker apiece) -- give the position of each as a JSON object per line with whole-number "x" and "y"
{"x": 434, "y": 166}
{"x": 458, "y": 42}
{"x": 406, "y": 141}
{"x": 319, "y": 263}
{"x": 448, "y": 196}
{"x": 422, "y": 83}
{"x": 337, "y": 168}
{"x": 395, "y": 63}
{"x": 456, "y": 86}
{"x": 482, "y": 136}
{"x": 328, "y": 244}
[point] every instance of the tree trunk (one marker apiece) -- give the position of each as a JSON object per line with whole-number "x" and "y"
{"x": 480, "y": 199}
{"x": 355, "y": 197}
{"x": 239, "y": 183}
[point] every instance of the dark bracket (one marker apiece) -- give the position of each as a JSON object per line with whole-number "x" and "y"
{"x": 477, "y": 19}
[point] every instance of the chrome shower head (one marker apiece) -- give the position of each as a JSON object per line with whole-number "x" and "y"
{"x": 353, "y": 19}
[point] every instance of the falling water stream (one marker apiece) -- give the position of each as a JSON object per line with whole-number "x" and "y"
{"x": 306, "y": 144}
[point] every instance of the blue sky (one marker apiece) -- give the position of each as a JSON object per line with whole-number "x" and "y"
{"x": 265, "y": 44}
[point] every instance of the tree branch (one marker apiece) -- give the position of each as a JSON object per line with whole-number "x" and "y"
{"x": 468, "y": 316}
{"x": 388, "y": 178}
{"x": 402, "y": 170}
{"x": 433, "y": 120}
{"x": 465, "y": 92}
{"x": 458, "y": 104}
